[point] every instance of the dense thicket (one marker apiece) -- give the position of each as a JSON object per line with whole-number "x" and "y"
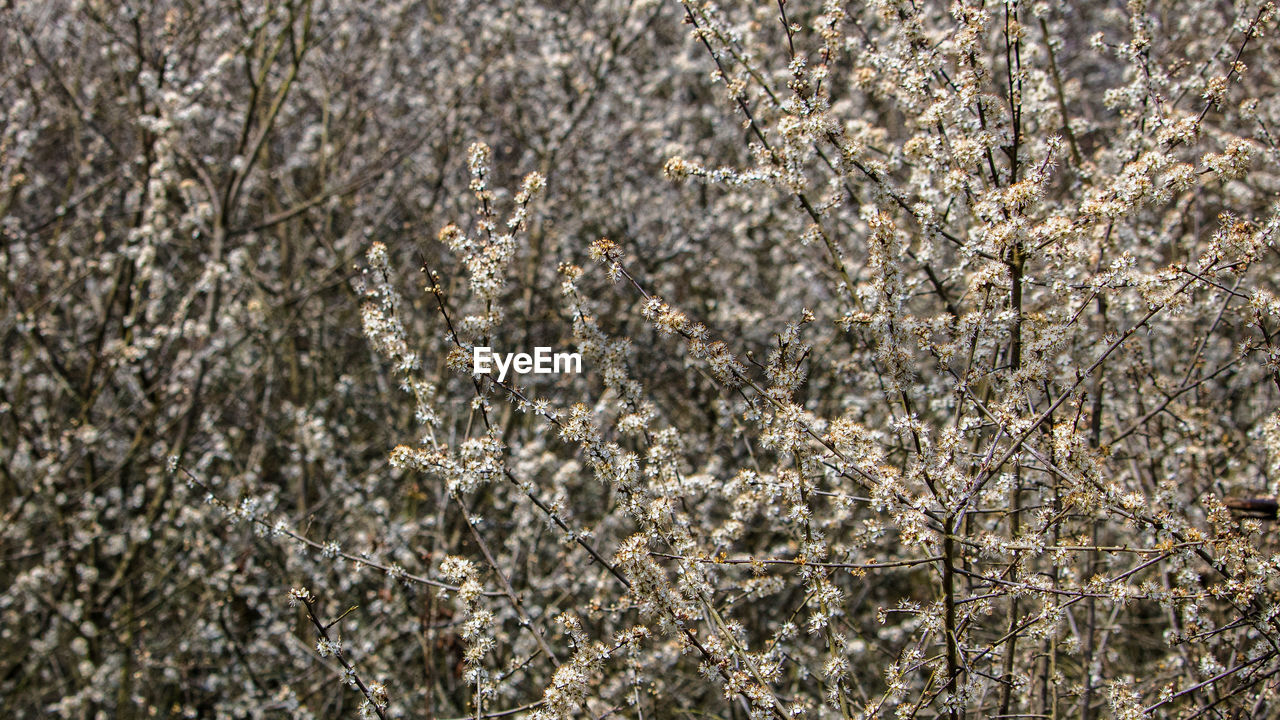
{"x": 930, "y": 359}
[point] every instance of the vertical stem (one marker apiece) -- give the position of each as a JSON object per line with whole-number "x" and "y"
{"x": 1086, "y": 699}
{"x": 949, "y": 602}
{"x": 1015, "y": 262}
{"x": 1095, "y": 437}
{"x": 1006, "y": 689}
{"x": 1017, "y": 259}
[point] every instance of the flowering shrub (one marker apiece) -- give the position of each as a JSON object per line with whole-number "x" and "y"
{"x": 929, "y": 359}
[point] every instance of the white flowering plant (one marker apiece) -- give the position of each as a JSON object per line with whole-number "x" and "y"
{"x": 929, "y": 359}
